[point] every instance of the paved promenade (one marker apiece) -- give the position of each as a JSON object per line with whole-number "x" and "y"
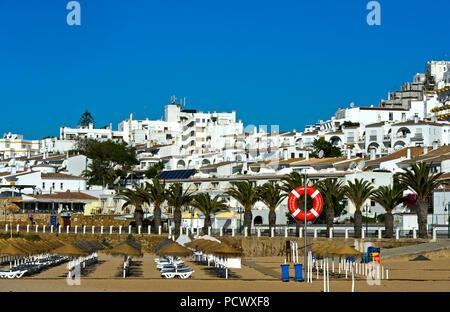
{"x": 414, "y": 249}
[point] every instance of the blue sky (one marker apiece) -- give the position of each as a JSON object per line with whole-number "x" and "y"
{"x": 286, "y": 63}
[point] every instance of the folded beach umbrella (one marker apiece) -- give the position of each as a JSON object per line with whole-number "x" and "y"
{"x": 175, "y": 249}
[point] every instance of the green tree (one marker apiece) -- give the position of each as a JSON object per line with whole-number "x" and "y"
{"x": 246, "y": 195}
{"x": 332, "y": 192}
{"x": 155, "y": 193}
{"x": 329, "y": 150}
{"x": 98, "y": 173}
{"x": 178, "y": 199}
{"x": 422, "y": 182}
{"x": 208, "y": 207}
{"x": 271, "y": 196}
{"x": 389, "y": 197}
{"x": 109, "y": 160}
{"x": 86, "y": 119}
{"x": 358, "y": 192}
{"x": 348, "y": 124}
{"x": 155, "y": 170}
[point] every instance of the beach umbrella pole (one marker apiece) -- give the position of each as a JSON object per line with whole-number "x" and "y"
{"x": 328, "y": 277}
{"x": 353, "y": 279}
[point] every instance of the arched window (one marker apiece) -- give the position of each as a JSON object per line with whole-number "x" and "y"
{"x": 258, "y": 220}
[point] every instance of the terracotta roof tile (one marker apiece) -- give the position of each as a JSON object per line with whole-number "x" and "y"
{"x": 415, "y": 152}
{"x": 60, "y": 176}
{"x": 66, "y": 195}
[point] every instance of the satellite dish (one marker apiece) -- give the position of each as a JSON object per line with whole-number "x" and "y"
{"x": 321, "y": 154}
{"x": 361, "y": 165}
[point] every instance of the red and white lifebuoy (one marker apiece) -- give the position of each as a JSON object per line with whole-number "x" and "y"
{"x": 298, "y": 213}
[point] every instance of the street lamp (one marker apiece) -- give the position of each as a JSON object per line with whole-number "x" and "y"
{"x": 448, "y": 219}
{"x": 367, "y": 213}
{"x": 192, "y": 217}
{"x": 240, "y": 211}
{"x": 92, "y": 216}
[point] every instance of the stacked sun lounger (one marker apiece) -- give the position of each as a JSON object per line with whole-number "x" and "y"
{"x": 171, "y": 267}
{"x": 32, "y": 267}
{"x": 83, "y": 261}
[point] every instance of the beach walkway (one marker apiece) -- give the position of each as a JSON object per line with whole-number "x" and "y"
{"x": 264, "y": 270}
{"x": 414, "y": 249}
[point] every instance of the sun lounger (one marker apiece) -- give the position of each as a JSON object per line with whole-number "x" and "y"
{"x": 182, "y": 273}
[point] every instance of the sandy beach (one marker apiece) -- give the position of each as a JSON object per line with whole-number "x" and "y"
{"x": 258, "y": 274}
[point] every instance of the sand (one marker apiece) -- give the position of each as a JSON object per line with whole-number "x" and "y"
{"x": 258, "y": 274}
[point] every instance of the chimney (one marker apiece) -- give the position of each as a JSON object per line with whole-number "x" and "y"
{"x": 425, "y": 150}
{"x": 307, "y": 155}
{"x": 408, "y": 153}
{"x": 348, "y": 154}
{"x": 416, "y": 118}
{"x": 372, "y": 154}
{"x": 110, "y": 125}
{"x": 435, "y": 145}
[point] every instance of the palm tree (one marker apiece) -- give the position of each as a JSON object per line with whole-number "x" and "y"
{"x": 358, "y": 192}
{"x": 136, "y": 199}
{"x": 389, "y": 197}
{"x": 291, "y": 182}
{"x": 271, "y": 196}
{"x": 332, "y": 192}
{"x": 208, "y": 207}
{"x": 178, "y": 199}
{"x": 247, "y": 196}
{"x": 155, "y": 193}
{"x": 421, "y": 181}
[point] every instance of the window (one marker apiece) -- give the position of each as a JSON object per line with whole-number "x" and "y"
{"x": 43, "y": 185}
{"x": 351, "y": 137}
{"x": 53, "y": 185}
{"x": 372, "y": 203}
{"x": 62, "y": 186}
{"x": 373, "y": 180}
{"x": 391, "y": 116}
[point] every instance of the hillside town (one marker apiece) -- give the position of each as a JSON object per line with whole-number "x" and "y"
{"x": 208, "y": 152}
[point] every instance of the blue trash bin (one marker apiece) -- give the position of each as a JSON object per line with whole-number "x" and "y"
{"x": 298, "y": 272}
{"x": 285, "y": 272}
